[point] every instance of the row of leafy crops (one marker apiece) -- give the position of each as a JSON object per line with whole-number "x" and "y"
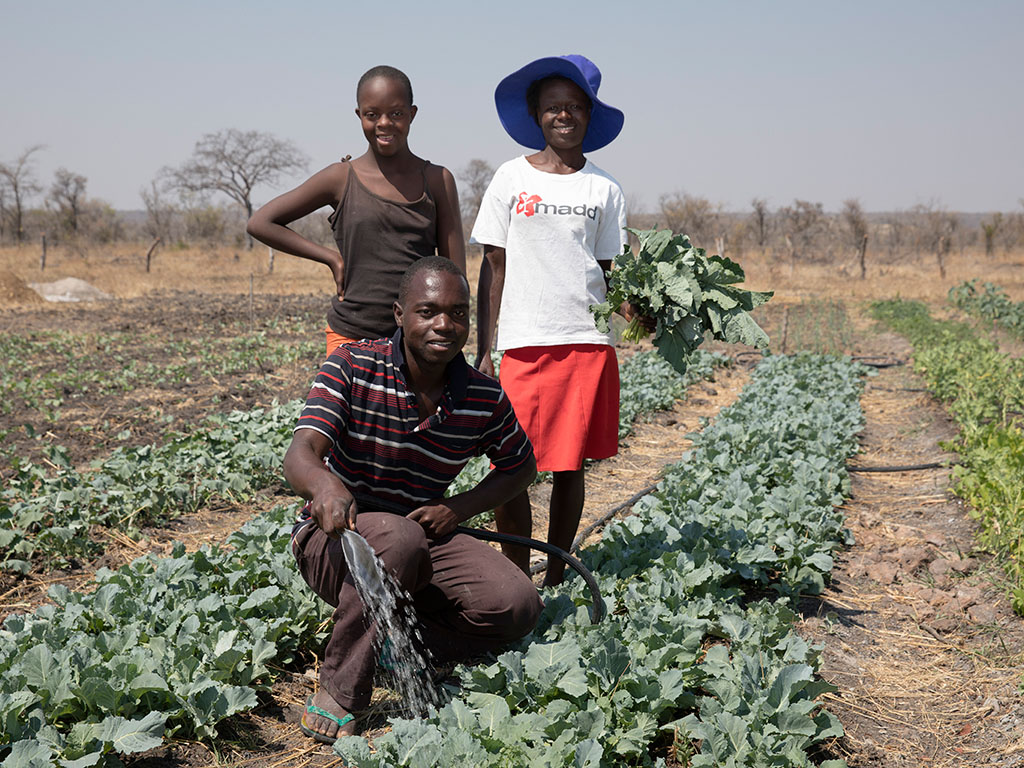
{"x": 648, "y": 383}
{"x": 52, "y": 512}
{"x": 694, "y": 661}
{"x": 984, "y": 389}
{"x": 989, "y": 302}
{"x": 161, "y": 646}
{"x": 688, "y": 661}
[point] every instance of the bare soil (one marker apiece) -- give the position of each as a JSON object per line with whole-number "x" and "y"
{"x": 918, "y": 633}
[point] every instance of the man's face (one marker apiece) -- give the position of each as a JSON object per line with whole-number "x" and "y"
{"x": 435, "y": 317}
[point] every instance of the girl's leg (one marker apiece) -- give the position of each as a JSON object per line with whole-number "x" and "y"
{"x": 564, "y": 518}
{"x": 515, "y": 517}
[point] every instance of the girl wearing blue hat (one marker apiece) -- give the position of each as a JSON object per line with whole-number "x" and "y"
{"x": 551, "y": 223}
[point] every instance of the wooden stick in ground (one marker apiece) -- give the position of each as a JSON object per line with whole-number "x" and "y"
{"x": 149, "y": 253}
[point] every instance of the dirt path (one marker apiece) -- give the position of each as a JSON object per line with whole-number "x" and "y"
{"x": 918, "y": 634}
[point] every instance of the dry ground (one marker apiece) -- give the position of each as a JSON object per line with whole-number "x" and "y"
{"x": 917, "y": 632}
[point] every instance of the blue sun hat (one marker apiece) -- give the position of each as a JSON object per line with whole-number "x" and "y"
{"x": 510, "y": 99}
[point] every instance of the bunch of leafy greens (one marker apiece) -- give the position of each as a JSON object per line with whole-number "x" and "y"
{"x": 687, "y": 292}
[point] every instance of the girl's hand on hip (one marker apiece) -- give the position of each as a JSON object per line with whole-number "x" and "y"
{"x": 338, "y": 270}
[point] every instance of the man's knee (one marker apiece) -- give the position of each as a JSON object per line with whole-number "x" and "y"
{"x": 401, "y": 545}
{"x": 526, "y": 607}
{"x": 508, "y": 607}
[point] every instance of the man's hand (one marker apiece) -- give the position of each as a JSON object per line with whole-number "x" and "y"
{"x": 330, "y": 503}
{"x": 436, "y": 517}
{"x": 334, "y": 512}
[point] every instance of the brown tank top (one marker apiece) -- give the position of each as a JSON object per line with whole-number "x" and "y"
{"x": 378, "y": 240}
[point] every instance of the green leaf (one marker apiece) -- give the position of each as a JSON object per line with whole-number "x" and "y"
{"x": 28, "y": 753}
{"x": 130, "y": 736}
{"x": 492, "y": 711}
{"x": 588, "y": 754}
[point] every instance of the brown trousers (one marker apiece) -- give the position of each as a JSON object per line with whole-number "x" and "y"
{"x": 468, "y": 597}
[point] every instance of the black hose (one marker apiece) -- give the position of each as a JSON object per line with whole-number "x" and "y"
{"x": 582, "y": 535}
{"x": 597, "y": 607}
{"x": 905, "y": 467}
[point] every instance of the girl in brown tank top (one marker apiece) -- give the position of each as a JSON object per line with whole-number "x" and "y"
{"x": 390, "y": 208}
{"x": 380, "y": 239}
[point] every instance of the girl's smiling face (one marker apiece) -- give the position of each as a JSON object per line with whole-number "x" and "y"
{"x": 563, "y": 113}
{"x": 386, "y": 114}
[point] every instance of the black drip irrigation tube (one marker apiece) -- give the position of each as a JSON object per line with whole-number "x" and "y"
{"x": 906, "y": 467}
{"x": 873, "y": 361}
{"x": 581, "y": 537}
{"x": 597, "y": 607}
{"x": 883, "y": 362}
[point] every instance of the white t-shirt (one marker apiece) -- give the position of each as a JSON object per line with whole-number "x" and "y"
{"x": 554, "y": 229}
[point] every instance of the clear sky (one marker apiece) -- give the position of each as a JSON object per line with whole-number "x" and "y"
{"x": 894, "y": 103}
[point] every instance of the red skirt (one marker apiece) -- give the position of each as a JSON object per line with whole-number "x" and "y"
{"x": 567, "y": 399}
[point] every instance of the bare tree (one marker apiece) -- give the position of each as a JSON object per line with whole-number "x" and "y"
{"x": 802, "y": 222}
{"x": 893, "y": 231}
{"x": 159, "y": 211}
{"x": 99, "y": 222}
{"x": 66, "y": 198}
{"x": 19, "y": 182}
{"x": 474, "y": 179}
{"x": 856, "y": 226}
{"x": 202, "y": 221}
{"x": 692, "y": 215}
{"x": 5, "y": 211}
{"x": 234, "y": 162}
{"x": 760, "y": 220}
{"x": 990, "y": 229}
{"x": 937, "y": 228}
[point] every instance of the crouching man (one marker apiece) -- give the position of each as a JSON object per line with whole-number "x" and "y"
{"x": 387, "y": 426}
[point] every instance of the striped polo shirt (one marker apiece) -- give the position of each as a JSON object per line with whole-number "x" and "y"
{"x": 387, "y": 457}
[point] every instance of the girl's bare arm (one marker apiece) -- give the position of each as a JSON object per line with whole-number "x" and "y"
{"x": 270, "y": 223}
{"x": 488, "y": 299}
{"x": 450, "y": 242}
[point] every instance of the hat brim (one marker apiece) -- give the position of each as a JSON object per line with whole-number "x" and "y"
{"x": 510, "y": 99}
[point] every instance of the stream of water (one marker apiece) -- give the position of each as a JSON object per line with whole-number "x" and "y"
{"x": 398, "y": 641}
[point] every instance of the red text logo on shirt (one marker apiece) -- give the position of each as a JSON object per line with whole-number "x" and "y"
{"x": 528, "y": 205}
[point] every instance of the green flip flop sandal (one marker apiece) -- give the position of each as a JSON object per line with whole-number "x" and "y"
{"x": 313, "y": 709}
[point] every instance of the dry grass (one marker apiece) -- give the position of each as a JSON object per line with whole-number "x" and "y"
{"x": 918, "y": 685}
{"x": 913, "y": 277}
{"x": 119, "y": 269}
